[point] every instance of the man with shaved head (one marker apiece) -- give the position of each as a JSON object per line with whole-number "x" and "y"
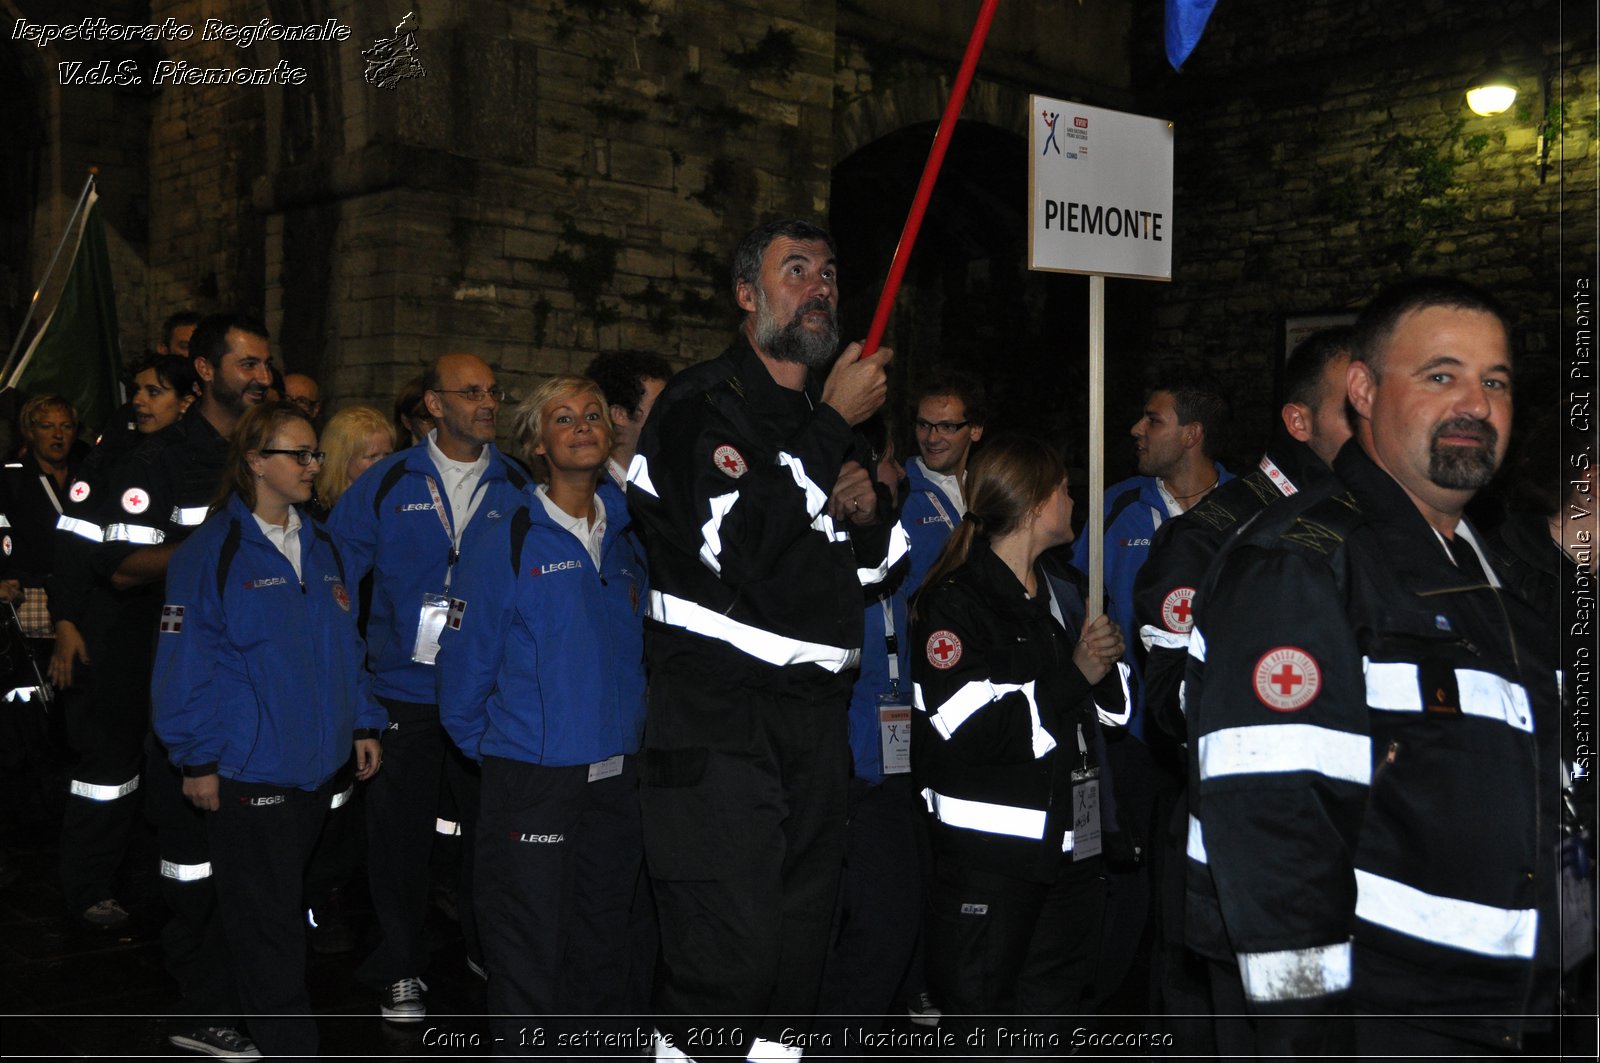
{"x": 404, "y": 521}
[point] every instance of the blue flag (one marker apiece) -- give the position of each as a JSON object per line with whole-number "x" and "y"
{"x": 1186, "y": 20}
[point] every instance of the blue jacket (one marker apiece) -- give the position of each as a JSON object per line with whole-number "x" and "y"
{"x": 547, "y": 666}
{"x": 385, "y": 524}
{"x": 258, "y": 675}
{"x": 927, "y": 524}
{"x": 1127, "y": 544}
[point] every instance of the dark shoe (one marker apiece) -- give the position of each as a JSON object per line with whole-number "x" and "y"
{"x": 106, "y": 915}
{"x": 224, "y": 1042}
{"x": 921, "y": 1010}
{"x": 329, "y": 931}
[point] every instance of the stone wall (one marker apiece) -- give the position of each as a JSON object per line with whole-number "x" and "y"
{"x": 1324, "y": 149}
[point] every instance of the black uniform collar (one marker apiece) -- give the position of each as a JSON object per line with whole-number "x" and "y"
{"x": 1297, "y": 461}
{"x": 1407, "y": 537}
{"x": 760, "y": 389}
{"x": 199, "y": 432}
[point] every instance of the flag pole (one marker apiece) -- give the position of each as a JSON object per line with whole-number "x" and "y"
{"x": 49, "y": 271}
{"x": 930, "y": 173}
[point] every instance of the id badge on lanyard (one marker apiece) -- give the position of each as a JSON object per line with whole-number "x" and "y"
{"x": 894, "y": 732}
{"x": 894, "y": 708}
{"x": 1085, "y": 806}
{"x": 438, "y": 610}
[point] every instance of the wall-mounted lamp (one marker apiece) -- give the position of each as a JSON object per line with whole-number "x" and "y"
{"x": 1492, "y": 93}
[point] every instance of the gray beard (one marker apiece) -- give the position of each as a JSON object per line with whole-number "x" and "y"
{"x": 1462, "y": 468}
{"x": 794, "y": 342}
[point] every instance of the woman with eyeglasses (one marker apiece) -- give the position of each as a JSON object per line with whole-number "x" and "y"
{"x": 260, "y": 697}
{"x": 543, "y": 683}
{"x": 1010, "y": 686}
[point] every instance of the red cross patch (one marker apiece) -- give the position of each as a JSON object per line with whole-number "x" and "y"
{"x": 1287, "y": 679}
{"x": 135, "y": 500}
{"x": 729, "y": 461}
{"x": 1177, "y": 610}
{"x": 944, "y": 649}
{"x": 341, "y": 596}
{"x": 5, "y": 544}
{"x": 79, "y": 491}
{"x": 458, "y": 610}
{"x": 171, "y": 619}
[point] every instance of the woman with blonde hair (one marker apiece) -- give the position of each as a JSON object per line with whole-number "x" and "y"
{"x": 355, "y": 439}
{"x": 543, "y": 683}
{"x": 1010, "y": 684}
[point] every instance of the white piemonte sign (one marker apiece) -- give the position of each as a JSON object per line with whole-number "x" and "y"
{"x": 1099, "y": 191}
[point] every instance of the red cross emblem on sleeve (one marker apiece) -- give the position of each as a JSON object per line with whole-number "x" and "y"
{"x": 729, "y": 461}
{"x": 171, "y": 619}
{"x": 135, "y": 500}
{"x": 944, "y": 649}
{"x": 1287, "y": 679}
{"x": 80, "y": 491}
{"x": 1177, "y": 610}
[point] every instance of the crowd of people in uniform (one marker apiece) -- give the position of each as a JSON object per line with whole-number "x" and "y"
{"x": 751, "y": 734}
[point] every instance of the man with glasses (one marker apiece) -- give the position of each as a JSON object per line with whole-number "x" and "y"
{"x": 951, "y": 409}
{"x": 304, "y": 394}
{"x": 405, "y": 521}
{"x": 151, "y": 501}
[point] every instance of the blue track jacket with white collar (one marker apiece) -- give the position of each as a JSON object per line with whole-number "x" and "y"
{"x": 258, "y": 673}
{"x": 547, "y": 666}
{"x": 387, "y": 524}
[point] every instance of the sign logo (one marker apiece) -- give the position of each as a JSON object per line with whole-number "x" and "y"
{"x": 341, "y": 596}
{"x": 79, "y": 491}
{"x": 944, "y": 649}
{"x": 1050, "y": 119}
{"x": 171, "y": 619}
{"x": 135, "y": 500}
{"x": 1080, "y": 122}
{"x": 1287, "y": 679}
{"x": 1177, "y": 610}
{"x": 265, "y": 581}
{"x": 729, "y": 461}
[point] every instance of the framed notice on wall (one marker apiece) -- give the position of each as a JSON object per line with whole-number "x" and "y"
{"x": 1296, "y": 327}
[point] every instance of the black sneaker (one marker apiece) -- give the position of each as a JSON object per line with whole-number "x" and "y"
{"x": 402, "y": 1001}
{"x": 921, "y": 1010}
{"x": 224, "y": 1042}
{"x": 329, "y": 931}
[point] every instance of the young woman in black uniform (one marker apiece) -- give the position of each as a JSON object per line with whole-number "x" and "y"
{"x": 1010, "y": 684}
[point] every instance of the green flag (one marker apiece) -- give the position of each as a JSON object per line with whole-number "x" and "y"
{"x": 76, "y": 352}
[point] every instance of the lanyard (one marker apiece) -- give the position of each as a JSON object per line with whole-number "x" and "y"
{"x": 453, "y": 535}
{"x": 50, "y": 492}
{"x": 933, "y": 496}
{"x": 891, "y": 644}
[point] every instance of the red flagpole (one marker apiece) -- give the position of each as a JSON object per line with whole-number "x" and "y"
{"x": 930, "y": 174}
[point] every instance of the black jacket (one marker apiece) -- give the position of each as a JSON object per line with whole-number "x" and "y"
{"x": 1181, "y": 552}
{"x": 998, "y": 708}
{"x": 1374, "y": 768}
{"x": 752, "y": 582}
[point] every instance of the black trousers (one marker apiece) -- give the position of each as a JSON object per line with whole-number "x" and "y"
{"x": 192, "y": 940}
{"x": 558, "y": 866}
{"x": 744, "y": 799}
{"x": 261, "y": 839}
{"x": 402, "y": 804}
{"x": 1011, "y": 954}
{"x": 107, "y": 719}
{"x": 879, "y": 920}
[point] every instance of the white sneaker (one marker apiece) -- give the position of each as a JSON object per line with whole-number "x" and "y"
{"x": 402, "y": 1001}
